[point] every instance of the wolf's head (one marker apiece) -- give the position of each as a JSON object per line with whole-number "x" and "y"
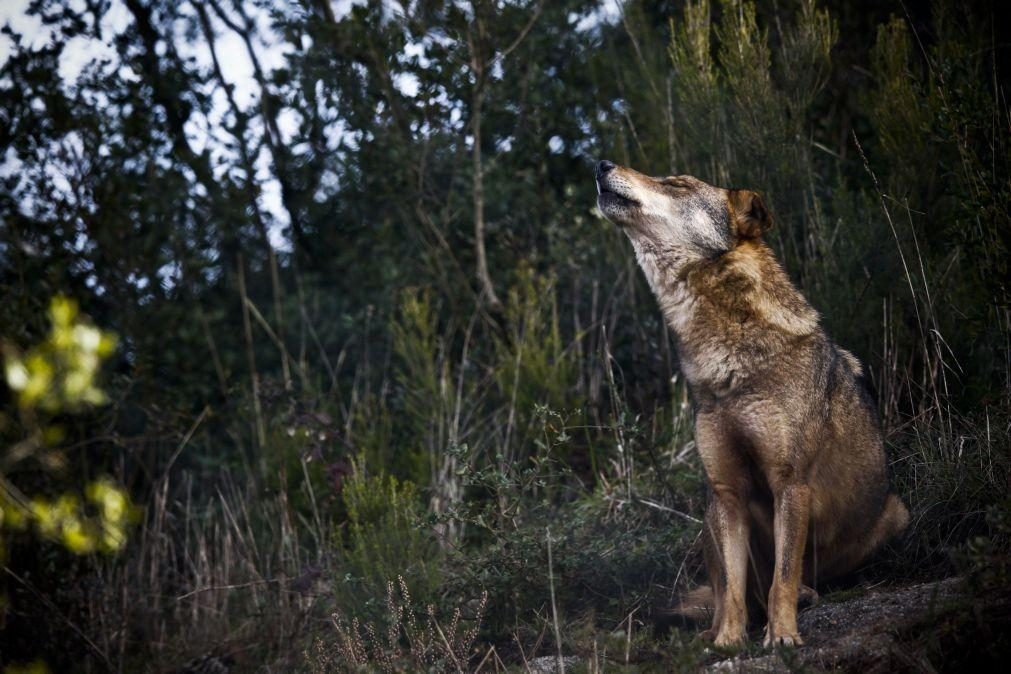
{"x": 679, "y": 214}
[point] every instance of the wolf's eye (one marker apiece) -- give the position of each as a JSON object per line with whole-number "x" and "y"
{"x": 675, "y": 183}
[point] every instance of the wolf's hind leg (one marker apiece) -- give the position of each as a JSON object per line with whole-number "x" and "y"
{"x": 893, "y": 521}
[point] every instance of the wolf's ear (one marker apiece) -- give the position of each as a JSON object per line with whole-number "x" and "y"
{"x": 748, "y": 214}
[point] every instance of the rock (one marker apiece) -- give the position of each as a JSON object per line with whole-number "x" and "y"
{"x": 549, "y": 664}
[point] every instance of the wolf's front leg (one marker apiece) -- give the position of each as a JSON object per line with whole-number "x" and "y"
{"x": 729, "y": 526}
{"x": 792, "y": 514}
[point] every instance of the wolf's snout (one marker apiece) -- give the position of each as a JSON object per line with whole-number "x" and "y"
{"x": 603, "y": 167}
{"x": 616, "y": 197}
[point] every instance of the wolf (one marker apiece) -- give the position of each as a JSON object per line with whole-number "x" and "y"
{"x": 787, "y": 431}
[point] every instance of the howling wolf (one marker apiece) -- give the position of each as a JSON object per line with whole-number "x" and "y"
{"x": 788, "y": 434}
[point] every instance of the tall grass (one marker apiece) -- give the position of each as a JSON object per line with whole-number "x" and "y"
{"x": 228, "y": 577}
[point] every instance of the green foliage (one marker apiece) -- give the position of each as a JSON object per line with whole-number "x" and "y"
{"x": 612, "y": 553}
{"x": 934, "y": 116}
{"x": 374, "y": 438}
{"x": 805, "y": 57}
{"x": 697, "y": 79}
{"x": 900, "y": 109}
{"x": 534, "y": 369}
{"x": 36, "y": 667}
{"x": 746, "y": 62}
{"x": 66, "y": 521}
{"x": 50, "y": 382}
{"x": 429, "y": 389}
{"x": 385, "y": 540}
{"x": 299, "y": 460}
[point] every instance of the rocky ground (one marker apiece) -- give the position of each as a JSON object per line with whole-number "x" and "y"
{"x": 926, "y": 627}
{"x": 913, "y": 628}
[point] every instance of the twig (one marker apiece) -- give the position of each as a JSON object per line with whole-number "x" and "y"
{"x": 261, "y": 433}
{"x": 652, "y": 504}
{"x": 185, "y": 440}
{"x": 523, "y": 655}
{"x": 274, "y": 337}
{"x": 628, "y": 637}
{"x": 522, "y": 34}
{"x": 484, "y": 659}
{"x": 554, "y": 606}
{"x": 667, "y": 509}
{"x": 449, "y": 649}
{"x": 236, "y": 586}
{"x": 330, "y": 370}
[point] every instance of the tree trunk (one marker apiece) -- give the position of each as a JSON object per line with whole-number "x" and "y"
{"x": 483, "y": 276}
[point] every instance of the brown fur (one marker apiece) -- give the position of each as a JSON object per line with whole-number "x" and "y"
{"x": 789, "y": 439}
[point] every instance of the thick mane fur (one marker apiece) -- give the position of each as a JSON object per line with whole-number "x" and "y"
{"x": 731, "y": 314}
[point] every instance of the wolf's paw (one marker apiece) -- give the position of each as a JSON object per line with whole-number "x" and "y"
{"x": 791, "y": 640}
{"x": 728, "y": 639}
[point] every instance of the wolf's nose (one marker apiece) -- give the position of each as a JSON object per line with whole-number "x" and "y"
{"x": 603, "y": 167}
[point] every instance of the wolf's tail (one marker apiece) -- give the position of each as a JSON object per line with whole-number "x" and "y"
{"x": 694, "y": 606}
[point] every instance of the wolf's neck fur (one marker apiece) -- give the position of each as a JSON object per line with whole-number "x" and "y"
{"x": 730, "y": 314}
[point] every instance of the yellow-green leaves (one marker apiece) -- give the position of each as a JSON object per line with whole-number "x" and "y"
{"x": 35, "y": 667}
{"x": 59, "y": 376}
{"x": 96, "y": 524}
{"x": 60, "y": 373}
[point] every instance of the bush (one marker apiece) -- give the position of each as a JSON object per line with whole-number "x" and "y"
{"x": 385, "y": 539}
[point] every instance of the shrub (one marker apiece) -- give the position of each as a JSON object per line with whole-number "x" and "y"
{"x": 385, "y": 539}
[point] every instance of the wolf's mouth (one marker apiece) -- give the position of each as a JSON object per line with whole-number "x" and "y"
{"x": 607, "y": 198}
{"x": 605, "y": 195}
